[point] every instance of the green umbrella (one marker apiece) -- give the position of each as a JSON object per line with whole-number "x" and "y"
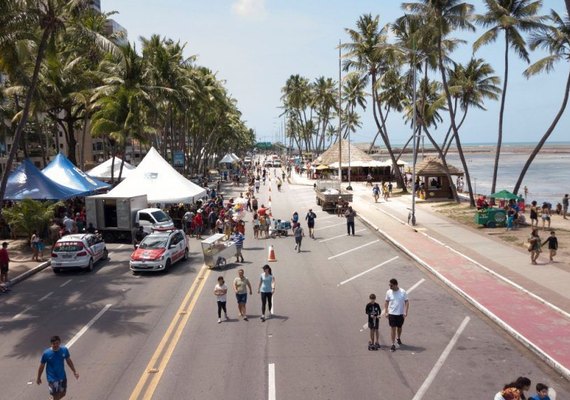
{"x": 504, "y": 194}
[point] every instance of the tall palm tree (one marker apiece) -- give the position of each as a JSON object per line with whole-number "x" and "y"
{"x": 556, "y": 40}
{"x": 324, "y": 102}
{"x": 369, "y": 54}
{"x": 353, "y": 96}
{"x": 512, "y": 17}
{"x": 444, "y": 17}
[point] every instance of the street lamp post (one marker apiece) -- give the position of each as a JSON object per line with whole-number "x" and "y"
{"x": 414, "y": 125}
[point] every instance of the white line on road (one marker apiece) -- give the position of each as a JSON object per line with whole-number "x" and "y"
{"x": 351, "y": 250}
{"x": 415, "y": 286}
{"x": 121, "y": 246}
{"x": 329, "y": 226}
{"x": 65, "y": 283}
{"x": 435, "y": 370}
{"x": 86, "y": 327}
{"x": 271, "y": 382}
{"x": 339, "y": 236}
{"x": 46, "y": 296}
{"x": 368, "y": 270}
{"x": 22, "y": 313}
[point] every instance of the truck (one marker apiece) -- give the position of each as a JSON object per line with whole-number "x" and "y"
{"x": 117, "y": 218}
{"x": 329, "y": 194}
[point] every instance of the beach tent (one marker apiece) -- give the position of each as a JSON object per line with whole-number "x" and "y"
{"x": 103, "y": 171}
{"x": 227, "y": 159}
{"x": 61, "y": 170}
{"x": 28, "y": 182}
{"x": 161, "y": 183}
{"x": 505, "y": 195}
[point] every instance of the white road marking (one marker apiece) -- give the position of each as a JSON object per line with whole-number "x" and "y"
{"x": 121, "y": 246}
{"x": 87, "y": 326}
{"x": 435, "y": 370}
{"x": 22, "y": 313}
{"x": 325, "y": 218}
{"x": 339, "y": 236}
{"x": 418, "y": 283}
{"x": 368, "y": 270}
{"x": 351, "y": 250}
{"x": 329, "y": 226}
{"x": 271, "y": 382}
{"x": 65, "y": 283}
{"x": 45, "y": 297}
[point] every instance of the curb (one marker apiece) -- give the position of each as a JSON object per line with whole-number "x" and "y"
{"x": 30, "y": 272}
{"x": 565, "y": 372}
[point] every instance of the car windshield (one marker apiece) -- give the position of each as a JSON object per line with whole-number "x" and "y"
{"x": 153, "y": 242}
{"x": 62, "y": 247}
{"x": 160, "y": 216}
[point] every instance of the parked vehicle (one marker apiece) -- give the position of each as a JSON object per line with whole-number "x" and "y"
{"x": 159, "y": 250}
{"x": 329, "y": 194}
{"x": 276, "y": 163}
{"x": 78, "y": 251}
{"x": 116, "y": 218}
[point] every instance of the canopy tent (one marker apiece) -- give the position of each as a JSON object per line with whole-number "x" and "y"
{"x": 236, "y": 158}
{"x": 28, "y": 182}
{"x": 63, "y": 171}
{"x": 103, "y": 171}
{"x": 161, "y": 183}
{"x": 506, "y": 195}
{"x": 228, "y": 159}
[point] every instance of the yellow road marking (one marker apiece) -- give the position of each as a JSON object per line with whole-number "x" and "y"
{"x": 159, "y": 360}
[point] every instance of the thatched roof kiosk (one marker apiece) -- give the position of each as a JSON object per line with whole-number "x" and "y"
{"x": 433, "y": 180}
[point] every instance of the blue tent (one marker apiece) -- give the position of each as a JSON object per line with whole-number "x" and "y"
{"x": 28, "y": 182}
{"x": 61, "y": 170}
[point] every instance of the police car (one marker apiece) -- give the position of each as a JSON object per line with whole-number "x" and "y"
{"x": 159, "y": 250}
{"x": 80, "y": 250}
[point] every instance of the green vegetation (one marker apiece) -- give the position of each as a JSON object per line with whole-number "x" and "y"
{"x": 28, "y": 215}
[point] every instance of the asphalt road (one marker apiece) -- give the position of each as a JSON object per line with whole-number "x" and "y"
{"x": 157, "y": 336}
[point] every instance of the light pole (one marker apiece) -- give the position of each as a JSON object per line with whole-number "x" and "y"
{"x": 339, "y": 120}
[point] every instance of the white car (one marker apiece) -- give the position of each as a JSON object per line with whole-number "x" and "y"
{"x": 159, "y": 250}
{"x": 276, "y": 163}
{"x": 80, "y": 250}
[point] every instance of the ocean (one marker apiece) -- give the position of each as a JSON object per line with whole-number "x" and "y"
{"x": 547, "y": 179}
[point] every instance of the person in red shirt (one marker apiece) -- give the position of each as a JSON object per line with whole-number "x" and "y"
{"x": 198, "y": 224}
{"x": 261, "y": 212}
{"x": 4, "y": 263}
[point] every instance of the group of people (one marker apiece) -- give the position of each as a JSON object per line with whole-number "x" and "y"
{"x": 383, "y": 190}
{"x": 242, "y": 286}
{"x": 517, "y": 389}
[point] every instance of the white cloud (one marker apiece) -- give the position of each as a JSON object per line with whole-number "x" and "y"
{"x": 249, "y": 8}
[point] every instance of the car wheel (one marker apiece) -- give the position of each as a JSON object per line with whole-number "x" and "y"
{"x": 167, "y": 265}
{"x": 90, "y": 265}
{"x": 186, "y": 254}
{"x": 136, "y": 272}
{"x": 56, "y": 270}
{"x": 491, "y": 224}
{"x": 105, "y": 254}
{"x": 221, "y": 262}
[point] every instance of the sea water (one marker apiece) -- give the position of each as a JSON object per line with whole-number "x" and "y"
{"x": 547, "y": 179}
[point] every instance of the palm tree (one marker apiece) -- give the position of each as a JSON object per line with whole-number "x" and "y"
{"x": 369, "y": 54}
{"x": 511, "y": 17}
{"x": 443, "y": 17}
{"x": 556, "y": 40}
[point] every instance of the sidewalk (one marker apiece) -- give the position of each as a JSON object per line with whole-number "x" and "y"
{"x": 21, "y": 264}
{"x": 532, "y": 303}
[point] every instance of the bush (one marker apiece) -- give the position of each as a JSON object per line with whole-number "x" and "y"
{"x": 28, "y": 215}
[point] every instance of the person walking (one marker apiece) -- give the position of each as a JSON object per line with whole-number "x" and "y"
{"x": 350, "y": 214}
{"x": 552, "y": 245}
{"x": 298, "y": 234}
{"x": 53, "y": 361}
{"x": 533, "y": 214}
{"x": 534, "y": 245}
{"x": 241, "y": 285}
{"x": 396, "y": 307}
{"x": 220, "y": 291}
{"x": 266, "y": 288}
{"x": 4, "y": 266}
{"x": 565, "y": 206}
{"x": 34, "y": 240}
{"x": 376, "y": 193}
{"x": 310, "y": 218}
{"x": 373, "y": 311}
{"x": 238, "y": 238}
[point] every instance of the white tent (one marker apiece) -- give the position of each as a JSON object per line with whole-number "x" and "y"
{"x": 161, "y": 183}
{"x": 103, "y": 171}
{"x": 236, "y": 158}
{"x": 228, "y": 159}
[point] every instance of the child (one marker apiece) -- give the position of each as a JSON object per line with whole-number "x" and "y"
{"x": 373, "y": 311}
{"x": 552, "y": 244}
{"x": 220, "y": 291}
{"x": 541, "y": 392}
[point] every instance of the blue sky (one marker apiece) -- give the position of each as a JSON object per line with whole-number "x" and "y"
{"x": 255, "y": 45}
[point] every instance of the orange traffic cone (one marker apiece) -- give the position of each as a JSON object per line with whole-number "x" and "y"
{"x": 271, "y": 257}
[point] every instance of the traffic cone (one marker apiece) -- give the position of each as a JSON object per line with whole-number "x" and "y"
{"x": 271, "y": 257}
{"x": 269, "y": 188}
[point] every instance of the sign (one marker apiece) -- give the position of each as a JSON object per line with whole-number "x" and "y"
{"x": 178, "y": 159}
{"x": 263, "y": 145}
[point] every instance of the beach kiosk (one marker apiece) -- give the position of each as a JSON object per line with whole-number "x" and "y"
{"x": 491, "y": 217}
{"x": 217, "y": 249}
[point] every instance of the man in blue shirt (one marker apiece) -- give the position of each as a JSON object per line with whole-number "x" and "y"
{"x": 53, "y": 358}
{"x": 238, "y": 238}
